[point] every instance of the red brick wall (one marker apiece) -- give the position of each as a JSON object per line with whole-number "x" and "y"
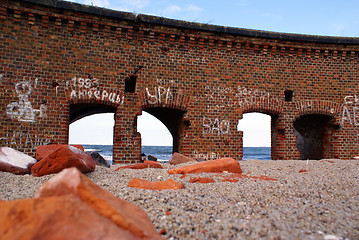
{"x": 52, "y": 58}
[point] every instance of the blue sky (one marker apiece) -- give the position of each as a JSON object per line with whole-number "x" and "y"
{"x": 314, "y": 17}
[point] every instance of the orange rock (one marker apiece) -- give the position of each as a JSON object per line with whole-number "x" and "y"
{"x": 44, "y": 150}
{"x": 64, "y": 157}
{"x": 230, "y": 180}
{"x": 201, "y": 180}
{"x": 262, "y": 177}
{"x": 235, "y": 176}
{"x": 178, "y": 158}
{"x": 213, "y": 166}
{"x": 145, "y": 164}
{"x": 155, "y": 185}
{"x": 70, "y": 206}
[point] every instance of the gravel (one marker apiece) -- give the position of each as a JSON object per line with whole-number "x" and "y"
{"x": 321, "y": 202}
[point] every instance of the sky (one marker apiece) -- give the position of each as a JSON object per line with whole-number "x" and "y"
{"x": 314, "y": 17}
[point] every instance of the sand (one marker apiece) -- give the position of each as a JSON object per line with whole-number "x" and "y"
{"x": 319, "y": 203}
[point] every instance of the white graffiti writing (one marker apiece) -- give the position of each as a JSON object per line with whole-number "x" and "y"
{"x": 85, "y": 88}
{"x": 206, "y": 156}
{"x": 25, "y": 139}
{"x": 215, "y": 126}
{"x": 23, "y": 110}
{"x": 222, "y": 97}
{"x": 83, "y": 82}
{"x": 159, "y": 95}
{"x": 98, "y": 94}
{"x": 248, "y": 96}
{"x": 351, "y": 99}
{"x": 350, "y": 115}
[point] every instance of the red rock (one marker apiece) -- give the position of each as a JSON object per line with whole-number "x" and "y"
{"x": 15, "y": 162}
{"x": 155, "y": 185}
{"x": 262, "y": 177}
{"x": 230, "y": 180}
{"x": 44, "y": 150}
{"x": 178, "y": 158}
{"x": 168, "y": 213}
{"x": 201, "y": 180}
{"x": 64, "y": 157}
{"x": 302, "y": 170}
{"x": 70, "y": 206}
{"x": 329, "y": 161}
{"x": 213, "y": 166}
{"x": 145, "y": 164}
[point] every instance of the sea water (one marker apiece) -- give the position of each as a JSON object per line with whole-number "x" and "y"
{"x": 165, "y": 152}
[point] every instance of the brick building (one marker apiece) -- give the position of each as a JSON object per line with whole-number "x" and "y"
{"x": 61, "y": 61}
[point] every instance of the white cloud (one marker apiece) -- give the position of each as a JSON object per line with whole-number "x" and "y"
{"x": 129, "y": 6}
{"x": 173, "y": 9}
{"x": 193, "y": 8}
{"x": 189, "y": 12}
{"x": 97, "y": 3}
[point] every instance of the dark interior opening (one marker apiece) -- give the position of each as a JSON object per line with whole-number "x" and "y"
{"x": 288, "y": 95}
{"x": 130, "y": 84}
{"x": 312, "y": 135}
{"x": 173, "y": 120}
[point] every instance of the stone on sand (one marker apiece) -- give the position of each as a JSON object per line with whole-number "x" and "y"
{"x": 178, "y": 158}
{"x": 145, "y": 164}
{"x": 14, "y": 161}
{"x": 64, "y": 157}
{"x": 212, "y": 166}
{"x": 70, "y": 206}
{"x": 99, "y": 159}
{"x": 169, "y": 184}
{"x": 44, "y": 150}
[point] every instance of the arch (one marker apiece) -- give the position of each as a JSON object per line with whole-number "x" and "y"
{"x": 264, "y": 105}
{"x": 80, "y": 110}
{"x": 274, "y": 112}
{"x": 318, "y": 107}
{"x": 252, "y": 125}
{"x": 173, "y": 120}
{"x": 170, "y": 108}
{"x": 313, "y": 132}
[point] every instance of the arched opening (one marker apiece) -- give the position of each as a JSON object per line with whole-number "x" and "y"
{"x": 257, "y": 135}
{"x": 92, "y": 125}
{"x": 166, "y": 125}
{"x": 313, "y": 135}
{"x": 156, "y": 139}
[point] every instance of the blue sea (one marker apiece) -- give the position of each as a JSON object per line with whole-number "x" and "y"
{"x": 165, "y": 152}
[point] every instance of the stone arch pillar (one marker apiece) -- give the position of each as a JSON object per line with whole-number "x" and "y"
{"x": 127, "y": 141}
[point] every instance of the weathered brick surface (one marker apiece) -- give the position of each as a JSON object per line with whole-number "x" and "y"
{"x": 60, "y": 61}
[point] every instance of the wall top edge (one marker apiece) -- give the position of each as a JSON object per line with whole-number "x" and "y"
{"x": 148, "y": 19}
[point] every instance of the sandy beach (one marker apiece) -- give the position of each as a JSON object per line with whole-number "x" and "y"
{"x": 309, "y": 200}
